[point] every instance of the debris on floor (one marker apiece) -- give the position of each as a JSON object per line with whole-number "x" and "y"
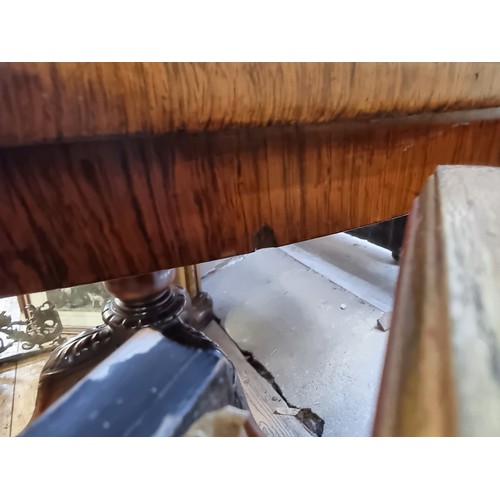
{"x": 384, "y": 322}
{"x": 308, "y": 315}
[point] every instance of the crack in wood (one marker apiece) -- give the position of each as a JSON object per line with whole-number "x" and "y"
{"x": 309, "y": 418}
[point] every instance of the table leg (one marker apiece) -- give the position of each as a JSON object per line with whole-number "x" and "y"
{"x": 148, "y": 300}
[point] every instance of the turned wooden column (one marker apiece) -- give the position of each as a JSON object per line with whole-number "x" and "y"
{"x": 188, "y": 277}
{"x": 147, "y": 300}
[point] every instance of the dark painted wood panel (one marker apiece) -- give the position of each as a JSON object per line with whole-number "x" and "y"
{"x": 90, "y": 211}
{"x": 49, "y": 101}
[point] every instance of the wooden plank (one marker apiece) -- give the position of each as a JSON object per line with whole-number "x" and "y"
{"x": 442, "y": 371}
{"x": 7, "y": 383}
{"x": 262, "y": 399}
{"x": 50, "y": 101}
{"x": 23, "y": 355}
{"x": 8, "y": 370}
{"x": 26, "y": 388}
{"x": 122, "y": 208}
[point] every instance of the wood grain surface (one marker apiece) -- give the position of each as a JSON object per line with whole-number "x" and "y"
{"x": 26, "y": 389}
{"x": 7, "y": 385}
{"x": 442, "y": 371}
{"x": 18, "y": 390}
{"x": 52, "y": 101}
{"x": 89, "y": 211}
{"x": 264, "y": 402}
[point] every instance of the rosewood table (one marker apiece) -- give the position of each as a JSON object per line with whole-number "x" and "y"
{"x": 121, "y": 171}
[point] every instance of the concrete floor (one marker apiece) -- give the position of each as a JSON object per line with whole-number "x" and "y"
{"x": 308, "y": 312}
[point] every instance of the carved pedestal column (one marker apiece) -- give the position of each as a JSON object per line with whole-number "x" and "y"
{"x": 147, "y": 300}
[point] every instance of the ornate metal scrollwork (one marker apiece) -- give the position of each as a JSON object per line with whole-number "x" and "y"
{"x": 43, "y": 328}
